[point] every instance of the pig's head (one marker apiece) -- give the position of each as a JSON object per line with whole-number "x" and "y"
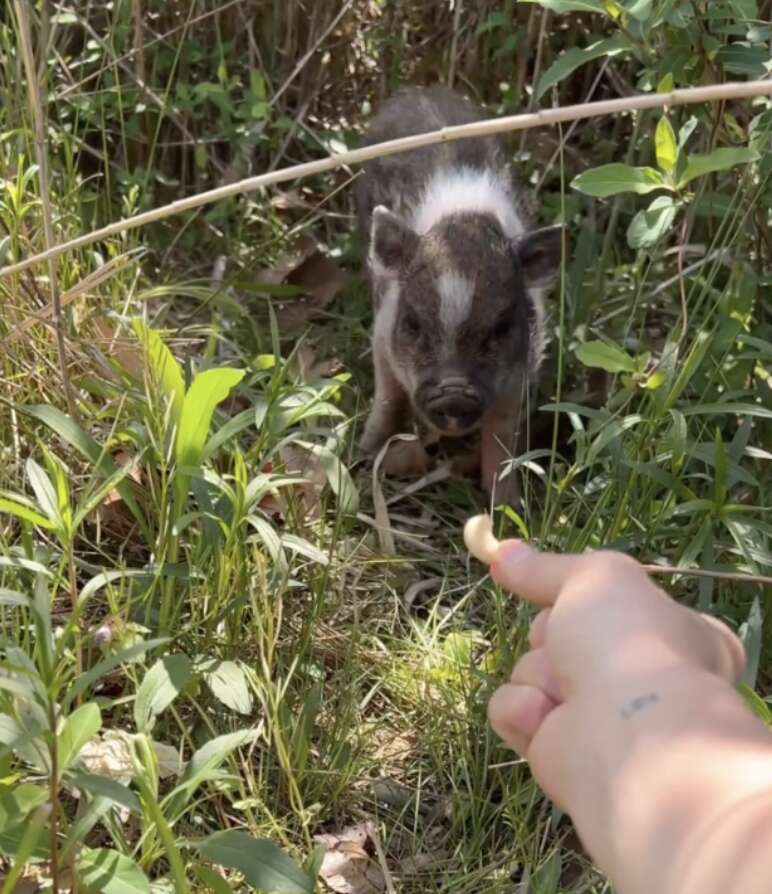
{"x": 460, "y": 309}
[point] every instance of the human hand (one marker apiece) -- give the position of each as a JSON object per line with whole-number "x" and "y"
{"x": 602, "y": 619}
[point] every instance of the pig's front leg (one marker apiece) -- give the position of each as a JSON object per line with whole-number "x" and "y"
{"x": 391, "y": 406}
{"x": 500, "y": 426}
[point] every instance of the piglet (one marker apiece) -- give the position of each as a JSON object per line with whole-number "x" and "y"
{"x": 458, "y": 278}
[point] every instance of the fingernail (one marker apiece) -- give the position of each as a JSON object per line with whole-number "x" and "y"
{"x": 509, "y": 554}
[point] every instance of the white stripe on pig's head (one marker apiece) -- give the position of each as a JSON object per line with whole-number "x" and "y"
{"x": 465, "y": 311}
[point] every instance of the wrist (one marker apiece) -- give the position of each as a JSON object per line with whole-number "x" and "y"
{"x": 654, "y": 756}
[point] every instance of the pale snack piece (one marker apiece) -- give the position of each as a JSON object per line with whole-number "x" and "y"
{"x": 479, "y": 539}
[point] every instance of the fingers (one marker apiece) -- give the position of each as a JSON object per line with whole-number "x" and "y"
{"x": 729, "y": 655}
{"x": 538, "y": 630}
{"x": 537, "y": 577}
{"x": 517, "y": 712}
{"x": 540, "y": 577}
{"x": 533, "y": 669}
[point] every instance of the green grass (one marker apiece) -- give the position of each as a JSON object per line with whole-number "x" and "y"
{"x": 165, "y": 571}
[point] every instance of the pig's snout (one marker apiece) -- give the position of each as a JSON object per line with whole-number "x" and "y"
{"x": 453, "y": 407}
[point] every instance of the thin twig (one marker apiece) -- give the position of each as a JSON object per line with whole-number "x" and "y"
{"x": 739, "y": 577}
{"x": 488, "y": 127}
{"x": 681, "y": 279}
{"x": 35, "y": 87}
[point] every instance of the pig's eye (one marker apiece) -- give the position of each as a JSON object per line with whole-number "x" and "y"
{"x": 410, "y": 324}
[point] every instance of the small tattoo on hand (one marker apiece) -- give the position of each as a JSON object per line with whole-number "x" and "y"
{"x": 638, "y": 704}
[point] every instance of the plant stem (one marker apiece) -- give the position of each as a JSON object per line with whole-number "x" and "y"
{"x": 488, "y": 127}
{"x": 35, "y": 89}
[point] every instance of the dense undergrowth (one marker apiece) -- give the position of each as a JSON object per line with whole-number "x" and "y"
{"x": 223, "y": 637}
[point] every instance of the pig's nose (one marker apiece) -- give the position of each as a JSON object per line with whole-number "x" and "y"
{"x": 454, "y": 406}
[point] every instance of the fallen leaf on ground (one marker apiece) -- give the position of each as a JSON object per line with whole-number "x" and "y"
{"x": 299, "y": 461}
{"x": 306, "y": 268}
{"x": 347, "y": 867}
{"x": 112, "y": 755}
{"x": 310, "y": 367}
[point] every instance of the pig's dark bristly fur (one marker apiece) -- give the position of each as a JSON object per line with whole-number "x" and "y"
{"x": 457, "y": 277}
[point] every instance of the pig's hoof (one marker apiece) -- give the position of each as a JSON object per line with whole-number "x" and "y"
{"x": 406, "y": 459}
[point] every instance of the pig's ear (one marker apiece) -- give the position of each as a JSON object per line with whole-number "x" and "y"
{"x": 392, "y": 242}
{"x": 538, "y": 254}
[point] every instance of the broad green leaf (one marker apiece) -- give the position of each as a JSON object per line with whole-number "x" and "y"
{"x": 79, "y": 728}
{"x": 12, "y": 597}
{"x": 207, "y": 390}
{"x": 70, "y": 432}
{"x": 666, "y": 146}
{"x": 652, "y": 224}
{"x": 160, "y": 686}
{"x": 228, "y": 683}
{"x": 575, "y": 57}
{"x": 211, "y": 755}
{"x": 608, "y": 180}
{"x": 109, "y": 872}
{"x": 164, "y": 370}
{"x": 25, "y": 513}
{"x": 104, "y": 787}
{"x": 601, "y": 355}
{"x": 45, "y": 492}
{"x": 263, "y": 865}
{"x": 304, "y": 548}
{"x": 718, "y": 160}
{"x": 746, "y": 61}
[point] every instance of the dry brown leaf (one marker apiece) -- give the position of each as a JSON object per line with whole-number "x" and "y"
{"x": 283, "y": 200}
{"x": 112, "y": 755}
{"x": 310, "y": 367}
{"x": 299, "y": 461}
{"x": 347, "y": 867}
{"x": 125, "y": 349}
{"x": 319, "y": 278}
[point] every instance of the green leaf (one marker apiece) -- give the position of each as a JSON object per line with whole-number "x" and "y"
{"x": 206, "y": 391}
{"x": 79, "y": 728}
{"x": 601, "y": 355}
{"x": 104, "y": 787}
{"x": 228, "y": 683}
{"x": 212, "y": 881}
{"x": 751, "y": 635}
{"x": 209, "y": 757}
{"x": 25, "y": 513}
{"x": 81, "y": 683}
{"x": 338, "y": 477}
{"x": 741, "y": 60}
{"x": 573, "y": 58}
{"x": 608, "y": 180}
{"x": 161, "y": 685}
{"x": 563, "y": 6}
{"x": 666, "y": 145}
{"x": 735, "y": 408}
{"x": 164, "y": 369}
{"x": 263, "y": 865}
{"x": 718, "y": 160}
{"x": 45, "y": 493}
{"x": 70, "y": 432}
{"x": 109, "y": 872}
{"x": 652, "y": 224}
